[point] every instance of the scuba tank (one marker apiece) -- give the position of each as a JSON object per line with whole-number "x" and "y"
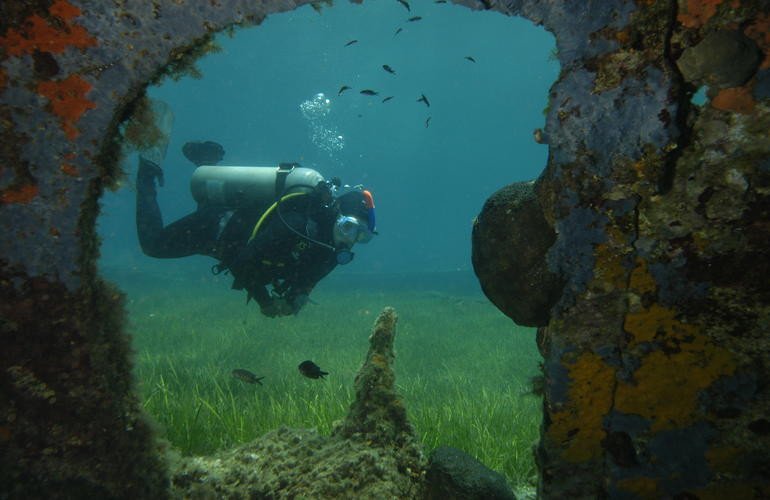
{"x": 241, "y": 186}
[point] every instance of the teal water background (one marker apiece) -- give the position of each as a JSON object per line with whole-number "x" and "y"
{"x": 428, "y": 183}
{"x": 462, "y": 365}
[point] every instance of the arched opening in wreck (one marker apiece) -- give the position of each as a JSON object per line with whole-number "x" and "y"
{"x": 464, "y": 378}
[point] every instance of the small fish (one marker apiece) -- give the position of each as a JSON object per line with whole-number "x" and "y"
{"x": 413, "y": 19}
{"x": 351, "y": 43}
{"x": 388, "y": 69}
{"x": 471, "y": 59}
{"x": 368, "y": 92}
{"x": 405, "y": 4}
{"x": 311, "y": 370}
{"x": 399, "y": 30}
{"x": 424, "y": 99}
{"x": 343, "y": 89}
{"x": 440, "y": 1}
{"x": 246, "y": 376}
{"x": 387, "y": 98}
{"x": 427, "y": 122}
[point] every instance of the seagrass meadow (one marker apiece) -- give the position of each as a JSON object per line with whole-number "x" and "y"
{"x": 464, "y": 369}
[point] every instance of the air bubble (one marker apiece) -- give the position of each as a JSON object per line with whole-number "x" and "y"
{"x": 323, "y": 133}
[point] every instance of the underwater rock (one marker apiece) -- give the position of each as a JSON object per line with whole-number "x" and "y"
{"x": 374, "y": 453}
{"x": 452, "y": 473}
{"x": 295, "y": 463}
{"x": 722, "y": 59}
{"x": 510, "y": 240}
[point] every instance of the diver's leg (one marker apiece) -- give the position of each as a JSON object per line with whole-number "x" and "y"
{"x": 193, "y": 234}
{"x": 149, "y": 221}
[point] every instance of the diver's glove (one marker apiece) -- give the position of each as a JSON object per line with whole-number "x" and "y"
{"x": 148, "y": 172}
{"x": 277, "y": 306}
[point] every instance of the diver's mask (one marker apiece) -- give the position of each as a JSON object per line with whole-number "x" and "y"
{"x": 347, "y": 232}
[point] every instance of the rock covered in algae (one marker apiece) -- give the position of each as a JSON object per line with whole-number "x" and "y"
{"x": 722, "y": 59}
{"x": 372, "y": 454}
{"x": 452, "y": 473}
{"x": 510, "y": 239}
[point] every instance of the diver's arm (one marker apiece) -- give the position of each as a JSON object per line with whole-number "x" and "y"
{"x": 250, "y": 266}
{"x": 245, "y": 270}
{"x": 298, "y": 291}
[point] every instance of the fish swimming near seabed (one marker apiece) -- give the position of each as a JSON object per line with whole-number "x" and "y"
{"x": 246, "y": 376}
{"x": 424, "y": 99}
{"x": 388, "y": 69}
{"x": 387, "y": 98}
{"x": 351, "y": 43}
{"x": 405, "y": 4}
{"x": 368, "y": 92}
{"x": 311, "y": 370}
{"x": 343, "y": 89}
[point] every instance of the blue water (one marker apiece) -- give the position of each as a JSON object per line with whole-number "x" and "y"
{"x": 428, "y": 182}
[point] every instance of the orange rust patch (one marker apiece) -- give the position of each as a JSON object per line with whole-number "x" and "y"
{"x": 35, "y": 33}
{"x": 20, "y": 194}
{"x": 69, "y": 169}
{"x": 68, "y": 101}
{"x": 64, "y": 10}
{"x": 696, "y": 13}
{"x": 736, "y": 99}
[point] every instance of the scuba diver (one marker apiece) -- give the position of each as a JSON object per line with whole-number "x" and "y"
{"x": 277, "y": 229}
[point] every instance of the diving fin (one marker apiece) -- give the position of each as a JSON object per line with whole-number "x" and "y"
{"x": 203, "y": 152}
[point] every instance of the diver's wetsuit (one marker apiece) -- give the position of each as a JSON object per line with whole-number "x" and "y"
{"x": 276, "y": 262}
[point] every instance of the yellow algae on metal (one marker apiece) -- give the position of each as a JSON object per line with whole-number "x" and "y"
{"x": 643, "y": 487}
{"x": 666, "y": 385}
{"x": 724, "y": 459}
{"x": 641, "y": 280}
{"x": 578, "y": 426}
{"x": 729, "y": 489}
{"x": 609, "y": 272}
{"x": 656, "y": 323}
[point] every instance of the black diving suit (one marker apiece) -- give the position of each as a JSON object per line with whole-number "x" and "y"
{"x": 275, "y": 265}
